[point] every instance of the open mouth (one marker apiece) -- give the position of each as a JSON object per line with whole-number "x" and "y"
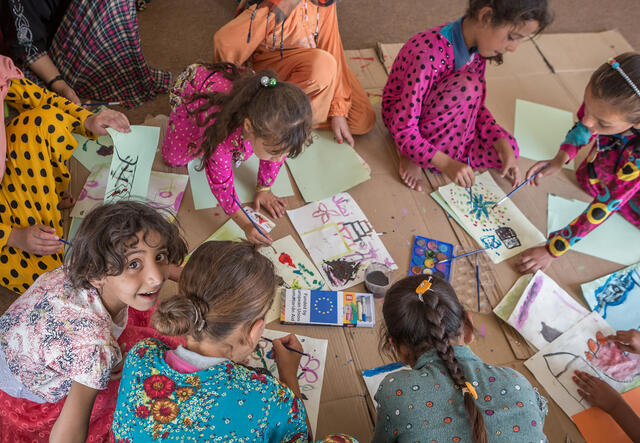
{"x": 151, "y": 294}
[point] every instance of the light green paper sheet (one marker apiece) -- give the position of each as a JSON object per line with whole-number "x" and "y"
{"x": 245, "y": 178}
{"x": 540, "y": 130}
{"x": 615, "y": 240}
{"x": 327, "y": 168}
{"x": 508, "y": 303}
{"x": 133, "y": 155}
{"x": 439, "y": 200}
{"x": 93, "y": 152}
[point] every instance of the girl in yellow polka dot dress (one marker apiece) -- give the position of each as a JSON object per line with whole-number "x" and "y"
{"x": 36, "y": 145}
{"x": 449, "y": 394}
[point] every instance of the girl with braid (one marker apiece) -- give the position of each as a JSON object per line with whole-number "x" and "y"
{"x": 449, "y": 394}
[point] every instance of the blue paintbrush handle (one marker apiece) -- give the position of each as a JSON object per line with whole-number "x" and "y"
{"x": 255, "y": 225}
{"x": 522, "y": 184}
{"x": 462, "y": 255}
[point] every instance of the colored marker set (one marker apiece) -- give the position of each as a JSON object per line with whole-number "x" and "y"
{"x": 426, "y": 256}
{"x": 330, "y": 308}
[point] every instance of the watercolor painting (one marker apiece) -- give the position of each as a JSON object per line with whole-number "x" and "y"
{"x": 93, "y": 152}
{"x": 340, "y": 239}
{"x": 545, "y": 311}
{"x": 92, "y": 193}
{"x": 616, "y": 297}
{"x": 503, "y": 229}
{"x": 583, "y": 347}
{"x": 310, "y": 372}
{"x": 373, "y": 377}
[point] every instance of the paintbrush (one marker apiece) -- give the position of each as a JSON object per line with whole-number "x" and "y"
{"x": 470, "y": 193}
{"x": 477, "y": 283}
{"x": 520, "y": 186}
{"x": 103, "y": 104}
{"x": 64, "y": 241}
{"x": 287, "y": 347}
{"x": 462, "y": 255}
{"x": 255, "y": 225}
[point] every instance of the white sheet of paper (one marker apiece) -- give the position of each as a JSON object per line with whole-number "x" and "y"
{"x": 340, "y": 240}
{"x": 373, "y": 377}
{"x": 504, "y": 229}
{"x": 310, "y": 372}
{"x": 579, "y": 348}
{"x": 545, "y": 311}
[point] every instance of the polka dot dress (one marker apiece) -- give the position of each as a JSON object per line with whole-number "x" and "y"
{"x": 39, "y": 142}
{"x": 428, "y": 106}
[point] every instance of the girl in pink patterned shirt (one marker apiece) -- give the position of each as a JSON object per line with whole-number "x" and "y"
{"x": 62, "y": 341}
{"x": 223, "y": 114}
{"x": 433, "y": 102}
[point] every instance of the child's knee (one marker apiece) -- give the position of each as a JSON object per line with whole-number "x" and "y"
{"x": 47, "y": 122}
{"x": 323, "y": 68}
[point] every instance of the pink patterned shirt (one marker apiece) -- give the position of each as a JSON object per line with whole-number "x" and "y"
{"x": 185, "y": 134}
{"x": 54, "y": 335}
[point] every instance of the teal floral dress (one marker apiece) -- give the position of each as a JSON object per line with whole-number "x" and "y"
{"x": 227, "y": 402}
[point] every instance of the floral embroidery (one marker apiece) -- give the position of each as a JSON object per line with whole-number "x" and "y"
{"x": 159, "y": 386}
{"x": 164, "y": 410}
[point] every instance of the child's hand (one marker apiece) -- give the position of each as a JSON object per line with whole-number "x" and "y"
{"x": 534, "y": 259}
{"x": 510, "y": 167}
{"x": 341, "y": 129}
{"x": 276, "y": 206}
{"x": 254, "y": 236}
{"x": 627, "y": 340}
{"x": 286, "y": 360}
{"x": 107, "y": 118}
{"x": 35, "y": 239}
{"x": 459, "y": 173}
{"x": 597, "y": 391}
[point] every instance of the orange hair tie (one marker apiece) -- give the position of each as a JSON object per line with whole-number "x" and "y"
{"x": 469, "y": 389}
{"x": 423, "y": 287}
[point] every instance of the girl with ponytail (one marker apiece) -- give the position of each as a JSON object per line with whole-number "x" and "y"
{"x": 449, "y": 394}
{"x": 223, "y": 114}
{"x": 199, "y": 392}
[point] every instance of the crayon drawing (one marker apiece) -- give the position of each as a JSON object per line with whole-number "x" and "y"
{"x": 503, "y": 229}
{"x": 616, "y": 297}
{"x": 545, "y": 311}
{"x": 340, "y": 239}
{"x": 582, "y": 347}
{"x": 310, "y": 372}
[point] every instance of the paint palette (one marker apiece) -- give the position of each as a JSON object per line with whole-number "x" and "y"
{"x": 425, "y": 255}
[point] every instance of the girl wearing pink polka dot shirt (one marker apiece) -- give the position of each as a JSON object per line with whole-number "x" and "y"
{"x": 223, "y": 114}
{"x": 433, "y": 102}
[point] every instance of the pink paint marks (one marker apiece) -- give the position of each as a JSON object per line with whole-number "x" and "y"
{"x": 285, "y": 259}
{"x": 483, "y": 330}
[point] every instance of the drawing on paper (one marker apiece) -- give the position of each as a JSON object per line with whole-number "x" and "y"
{"x": 292, "y": 265}
{"x": 582, "y": 347}
{"x": 93, "y": 191}
{"x": 503, "y": 229}
{"x": 102, "y": 145}
{"x": 310, "y": 371}
{"x": 616, "y": 297}
{"x": 544, "y": 311}
{"x": 340, "y": 239}
{"x": 123, "y": 174}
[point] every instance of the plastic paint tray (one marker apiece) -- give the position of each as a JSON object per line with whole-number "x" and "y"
{"x": 425, "y": 255}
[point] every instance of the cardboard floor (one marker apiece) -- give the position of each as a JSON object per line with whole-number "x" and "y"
{"x": 552, "y": 76}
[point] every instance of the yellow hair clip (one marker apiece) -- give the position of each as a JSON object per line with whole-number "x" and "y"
{"x": 423, "y": 287}
{"x": 469, "y": 389}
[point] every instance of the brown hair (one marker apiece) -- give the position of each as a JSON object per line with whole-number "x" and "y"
{"x": 223, "y": 285}
{"x": 108, "y": 231}
{"x": 280, "y": 114}
{"x": 514, "y": 12}
{"x": 609, "y": 85}
{"x": 419, "y": 326}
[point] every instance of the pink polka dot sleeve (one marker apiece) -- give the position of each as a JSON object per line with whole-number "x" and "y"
{"x": 268, "y": 171}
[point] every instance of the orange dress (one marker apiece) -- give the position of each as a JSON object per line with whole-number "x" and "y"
{"x": 316, "y": 64}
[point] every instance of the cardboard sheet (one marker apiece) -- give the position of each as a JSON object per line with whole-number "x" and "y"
{"x": 133, "y": 155}
{"x": 327, "y": 168}
{"x": 616, "y": 297}
{"x": 245, "y": 178}
{"x": 340, "y": 239}
{"x": 610, "y": 241}
{"x": 367, "y": 67}
{"x": 310, "y": 372}
{"x": 544, "y": 311}
{"x": 581, "y": 347}
{"x": 596, "y": 426}
{"x": 540, "y": 130}
{"x": 92, "y": 152}
{"x": 387, "y": 53}
{"x": 504, "y": 230}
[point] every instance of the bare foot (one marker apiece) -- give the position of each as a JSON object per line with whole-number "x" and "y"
{"x": 67, "y": 201}
{"x": 411, "y": 173}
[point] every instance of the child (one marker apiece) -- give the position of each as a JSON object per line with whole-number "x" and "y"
{"x": 59, "y": 342}
{"x": 433, "y": 102}
{"x": 449, "y": 394}
{"x": 33, "y": 182}
{"x": 599, "y": 393}
{"x": 225, "y": 114}
{"x": 610, "y": 173}
{"x": 200, "y": 392}
{"x": 300, "y": 41}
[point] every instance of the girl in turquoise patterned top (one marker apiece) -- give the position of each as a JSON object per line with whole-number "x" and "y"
{"x": 200, "y": 392}
{"x": 449, "y": 394}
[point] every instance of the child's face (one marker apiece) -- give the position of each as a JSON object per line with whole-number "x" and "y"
{"x": 493, "y": 40}
{"x": 600, "y": 117}
{"x": 262, "y": 149}
{"x": 145, "y": 272}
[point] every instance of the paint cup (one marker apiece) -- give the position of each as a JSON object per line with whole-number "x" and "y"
{"x": 377, "y": 279}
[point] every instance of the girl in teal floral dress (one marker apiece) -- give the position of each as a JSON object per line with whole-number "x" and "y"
{"x": 200, "y": 392}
